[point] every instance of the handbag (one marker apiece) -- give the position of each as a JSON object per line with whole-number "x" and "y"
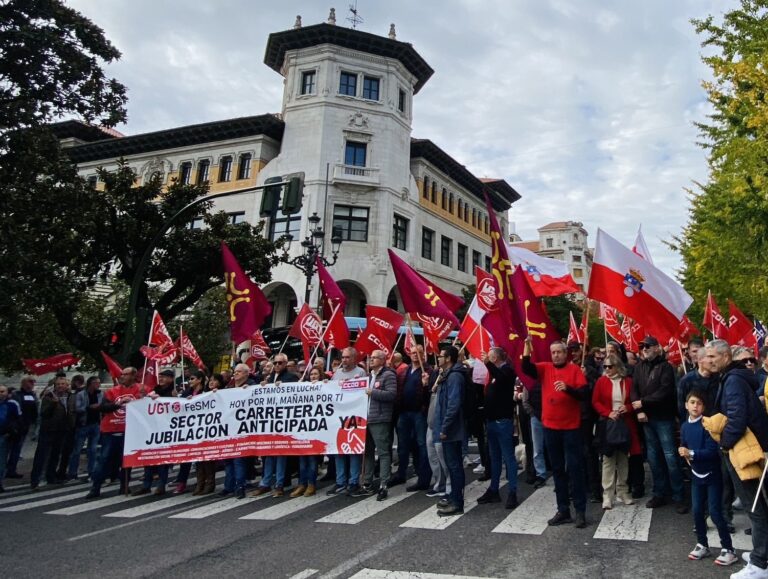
{"x": 616, "y": 435}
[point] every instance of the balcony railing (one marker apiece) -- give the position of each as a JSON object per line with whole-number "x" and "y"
{"x": 355, "y": 175}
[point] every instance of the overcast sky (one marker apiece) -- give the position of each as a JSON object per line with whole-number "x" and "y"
{"x": 585, "y": 107}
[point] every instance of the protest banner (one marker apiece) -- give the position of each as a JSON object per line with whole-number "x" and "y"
{"x": 298, "y": 418}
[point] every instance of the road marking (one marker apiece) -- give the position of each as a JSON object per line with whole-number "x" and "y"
{"x": 741, "y": 541}
{"x": 429, "y": 519}
{"x": 304, "y": 574}
{"x": 357, "y": 560}
{"x": 39, "y": 494}
{"x": 625, "y": 523}
{"x": 530, "y": 518}
{"x": 154, "y": 506}
{"x": 43, "y": 503}
{"x": 362, "y": 510}
{"x": 383, "y": 574}
{"x": 287, "y": 507}
{"x": 218, "y": 507}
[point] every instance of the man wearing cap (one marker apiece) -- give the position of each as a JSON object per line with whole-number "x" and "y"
{"x": 654, "y": 399}
{"x": 164, "y": 389}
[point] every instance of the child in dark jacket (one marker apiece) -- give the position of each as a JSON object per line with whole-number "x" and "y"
{"x": 703, "y": 455}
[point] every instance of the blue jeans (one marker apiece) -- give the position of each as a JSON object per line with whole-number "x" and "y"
{"x": 412, "y": 431}
{"x": 501, "y": 446}
{"x": 183, "y": 475}
{"x": 564, "y": 449}
{"x": 355, "y": 464}
{"x": 746, "y": 490}
{"x": 14, "y": 452}
{"x": 537, "y": 434}
{"x": 308, "y": 470}
{"x": 89, "y": 432}
{"x": 149, "y": 474}
{"x": 234, "y": 474}
{"x": 663, "y": 459}
{"x": 454, "y": 459}
{"x": 110, "y": 459}
{"x": 709, "y": 496}
{"x": 4, "y": 445}
{"x": 274, "y": 471}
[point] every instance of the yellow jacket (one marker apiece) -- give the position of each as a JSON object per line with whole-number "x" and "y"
{"x": 746, "y": 456}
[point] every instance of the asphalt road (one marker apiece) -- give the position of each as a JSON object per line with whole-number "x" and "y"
{"x": 54, "y": 532}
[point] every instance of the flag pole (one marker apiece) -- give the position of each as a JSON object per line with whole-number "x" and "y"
{"x": 682, "y": 357}
{"x": 394, "y": 348}
{"x": 280, "y": 351}
{"x": 586, "y": 333}
{"x": 320, "y": 341}
{"x": 181, "y": 353}
{"x": 605, "y": 332}
{"x": 464, "y": 343}
{"x": 149, "y": 340}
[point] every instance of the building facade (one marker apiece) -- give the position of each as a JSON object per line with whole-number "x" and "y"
{"x": 345, "y": 126}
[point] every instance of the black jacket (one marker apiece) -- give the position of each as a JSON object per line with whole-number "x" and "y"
{"x": 29, "y": 407}
{"x": 499, "y": 399}
{"x": 736, "y": 399}
{"x": 653, "y": 383}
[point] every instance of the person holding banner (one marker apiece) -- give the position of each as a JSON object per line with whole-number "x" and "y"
{"x": 113, "y": 430}
{"x": 235, "y": 468}
{"x": 164, "y": 389}
{"x": 308, "y": 463}
{"x": 382, "y": 391}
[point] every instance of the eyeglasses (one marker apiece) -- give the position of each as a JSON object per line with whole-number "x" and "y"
{"x": 607, "y": 366}
{"x": 279, "y": 362}
{"x": 750, "y": 360}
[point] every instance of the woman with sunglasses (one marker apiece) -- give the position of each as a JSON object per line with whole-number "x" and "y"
{"x": 610, "y": 399}
{"x": 198, "y": 383}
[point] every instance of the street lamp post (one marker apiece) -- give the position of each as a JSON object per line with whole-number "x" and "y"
{"x": 312, "y": 248}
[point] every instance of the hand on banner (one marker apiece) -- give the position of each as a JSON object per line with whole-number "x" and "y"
{"x": 153, "y": 395}
{"x": 368, "y": 392}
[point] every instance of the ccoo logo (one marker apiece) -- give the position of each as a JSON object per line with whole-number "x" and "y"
{"x": 311, "y": 329}
{"x": 486, "y": 295}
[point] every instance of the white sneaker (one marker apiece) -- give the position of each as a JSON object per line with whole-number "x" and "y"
{"x": 751, "y": 572}
{"x": 479, "y": 469}
{"x": 699, "y": 552}
{"x": 745, "y": 556}
{"x": 726, "y": 558}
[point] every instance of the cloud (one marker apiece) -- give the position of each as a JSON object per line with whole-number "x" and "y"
{"x": 587, "y": 109}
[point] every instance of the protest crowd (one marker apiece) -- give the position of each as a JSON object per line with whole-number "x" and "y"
{"x": 591, "y": 423}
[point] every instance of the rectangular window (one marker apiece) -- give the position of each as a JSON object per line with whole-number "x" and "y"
{"x": 426, "y": 187}
{"x": 352, "y": 222}
{"x": 237, "y": 217}
{"x": 400, "y": 233}
{"x": 461, "y": 261}
{"x": 578, "y": 272}
{"x": 355, "y": 153}
{"x": 225, "y": 169}
{"x": 487, "y": 263}
{"x": 92, "y": 181}
{"x": 196, "y": 223}
{"x": 308, "y": 82}
{"x": 185, "y": 173}
{"x": 446, "y": 248}
{"x": 475, "y": 259}
{"x": 244, "y": 166}
{"x": 401, "y": 100}
{"x": 550, "y": 241}
{"x": 281, "y": 225}
{"x": 370, "y": 88}
{"x": 427, "y": 243}
{"x": 576, "y": 259}
{"x": 348, "y": 84}
{"x": 202, "y": 171}
{"x": 444, "y": 200}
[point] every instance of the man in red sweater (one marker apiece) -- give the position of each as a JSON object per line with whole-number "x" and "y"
{"x": 113, "y": 430}
{"x": 562, "y": 387}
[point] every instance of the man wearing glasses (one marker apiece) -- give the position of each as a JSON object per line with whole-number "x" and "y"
{"x": 655, "y": 402}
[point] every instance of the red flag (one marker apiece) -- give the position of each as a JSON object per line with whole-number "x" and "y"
{"x": 421, "y": 296}
{"x": 687, "y": 330}
{"x": 113, "y": 367}
{"x": 149, "y": 374}
{"x": 504, "y": 323}
{"x": 308, "y": 328}
{"x": 334, "y": 302}
{"x": 380, "y": 333}
{"x": 410, "y": 342}
{"x": 634, "y": 286}
{"x": 165, "y": 354}
{"x": 611, "y": 322}
{"x": 42, "y": 366}
{"x": 583, "y": 326}
{"x": 714, "y": 320}
{"x": 574, "y": 334}
{"x": 674, "y": 356}
{"x": 187, "y": 350}
{"x": 159, "y": 334}
{"x": 547, "y": 277}
{"x": 435, "y": 329}
{"x": 537, "y": 323}
{"x": 632, "y": 333}
{"x": 472, "y": 334}
{"x": 246, "y": 303}
{"x": 259, "y": 349}
{"x": 740, "y": 328}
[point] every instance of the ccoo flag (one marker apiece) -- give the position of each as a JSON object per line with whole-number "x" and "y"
{"x": 247, "y": 306}
{"x": 421, "y": 296}
{"x": 634, "y": 286}
{"x": 334, "y": 302}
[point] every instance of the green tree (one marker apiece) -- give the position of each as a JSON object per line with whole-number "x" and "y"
{"x": 206, "y": 325}
{"x": 724, "y": 243}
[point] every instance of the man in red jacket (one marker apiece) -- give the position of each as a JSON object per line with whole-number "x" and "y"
{"x": 113, "y": 430}
{"x": 562, "y": 387}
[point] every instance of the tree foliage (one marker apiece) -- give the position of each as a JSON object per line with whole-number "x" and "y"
{"x": 724, "y": 243}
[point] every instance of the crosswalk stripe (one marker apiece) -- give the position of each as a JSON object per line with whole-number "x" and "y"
{"x": 77, "y": 494}
{"x": 741, "y": 541}
{"x": 154, "y": 506}
{"x": 287, "y": 507}
{"x": 40, "y": 494}
{"x": 530, "y": 518}
{"x": 386, "y": 574}
{"x": 429, "y": 519}
{"x": 362, "y": 510}
{"x": 625, "y": 523}
{"x": 215, "y": 508}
